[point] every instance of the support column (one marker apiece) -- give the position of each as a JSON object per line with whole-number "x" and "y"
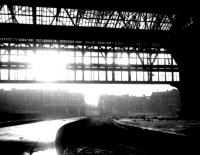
{"x": 9, "y": 63}
{"x": 186, "y": 56}
{"x": 113, "y": 66}
{"x": 129, "y": 68}
{"x": 75, "y": 62}
{"x": 83, "y": 64}
{"x": 106, "y": 66}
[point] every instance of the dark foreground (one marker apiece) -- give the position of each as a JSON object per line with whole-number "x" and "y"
{"x": 102, "y": 136}
{"x": 105, "y": 136}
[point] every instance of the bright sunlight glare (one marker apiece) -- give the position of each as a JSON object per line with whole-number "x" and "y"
{"x": 48, "y": 66}
{"x": 46, "y": 152}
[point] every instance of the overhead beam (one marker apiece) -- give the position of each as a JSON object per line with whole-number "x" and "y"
{"x": 81, "y": 33}
{"x": 90, "y": 82}
{"x": 100, "y": 5}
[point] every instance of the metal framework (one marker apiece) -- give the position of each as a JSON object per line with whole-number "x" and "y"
{"x": 100, "y": 63}
{"x": 85, "y": 18}
{"x": 98, "y": 45}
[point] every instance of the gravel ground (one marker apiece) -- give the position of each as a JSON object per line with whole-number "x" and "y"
{"x": 101, "y": 150}
{"x": 188, "y": 128}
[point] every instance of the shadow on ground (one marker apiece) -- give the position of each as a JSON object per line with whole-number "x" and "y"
{"x": 103, "y": 136}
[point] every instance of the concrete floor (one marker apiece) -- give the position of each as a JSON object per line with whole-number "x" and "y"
{"x": 33, "y": 138}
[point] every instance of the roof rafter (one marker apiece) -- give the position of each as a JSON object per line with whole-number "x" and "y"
{"x": 70, "y": 17}
{"x": 56, "y": 16}
{"x": 14, "y": 20}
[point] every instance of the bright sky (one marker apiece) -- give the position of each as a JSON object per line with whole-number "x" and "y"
{"x": 93, "y": 91}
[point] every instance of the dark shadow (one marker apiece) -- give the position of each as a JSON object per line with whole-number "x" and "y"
{"x": 102, "y": 136}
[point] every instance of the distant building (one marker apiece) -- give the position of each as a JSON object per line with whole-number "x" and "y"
{"x": 165, "y": 103}
{"x": 43, "y": 103}
{"x": 159, "y": 103}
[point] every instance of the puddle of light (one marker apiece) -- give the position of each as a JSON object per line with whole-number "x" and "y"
{"x": 46, "y": 152}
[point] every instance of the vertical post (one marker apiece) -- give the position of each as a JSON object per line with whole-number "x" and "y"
{"x": 121, "y": 68}
{"x": 172, "y": 64}
{"x": 90, "y": 65}
{"x": 34, "y": 40}
{"x": 129, "y": 68}
{"x": 150, "y": 74}
{"x": 143, "y": 79}
{"x": 136, "y": 68}
{"x": 106, "y": 65}
{"x": 9, "y": 62}
{"x": 98, "y": 62}
{"x": 165, "y": 69}
{"x": 83, "y": 64}
{"x": 113, "y": 66}
{"x": 74, "y": 61}
{"x": 34, "y": 52}
{"x": 34, "y": 15}
{"x": 25, "y": 52}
